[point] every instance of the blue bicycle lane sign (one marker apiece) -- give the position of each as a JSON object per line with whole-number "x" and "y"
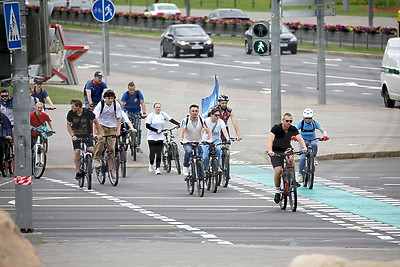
{"x": 103, "y": 10}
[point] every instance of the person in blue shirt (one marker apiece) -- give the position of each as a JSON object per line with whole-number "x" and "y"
{"x": 42, "y": 94}
{"x": 5, "y": 134}
{"x": 132, "y": 102}
{"x": 307, "y": 127}
{"x": 7, "y": 103}
{"x": 94, "y": 90}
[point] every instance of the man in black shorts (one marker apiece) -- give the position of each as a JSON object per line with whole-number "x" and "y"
{"x": 278, "y": 142}
{"x": 80, "y": 125}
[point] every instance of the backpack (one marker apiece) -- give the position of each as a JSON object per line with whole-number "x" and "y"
{"x": 115, "y": 107}
{"x": 200, "y": 118}
{"x": 308, "y": 131}
{"x": 129, "y": 95}
{"x": 91, "y": 87}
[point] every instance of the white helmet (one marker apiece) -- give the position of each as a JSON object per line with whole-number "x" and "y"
{"x": 308, "y": 113}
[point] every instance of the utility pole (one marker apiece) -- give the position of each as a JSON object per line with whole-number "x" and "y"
{"x": 275, "y": 63}
{"x": 22, "y": 133}
{"x": 370, "y": 14}
{"x": 106, "y": 50}
{"x": 188, "y": 8}
{"x": 321, "y": 79}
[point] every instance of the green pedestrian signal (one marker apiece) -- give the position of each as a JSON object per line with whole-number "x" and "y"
{"x": 260, "y": 47}
{"x": 261, "y": 38}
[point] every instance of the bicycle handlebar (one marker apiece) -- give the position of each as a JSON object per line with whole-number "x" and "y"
{"x": 171, "y": 129}
{"x": 312, "y": 139}
{"x": 111, "y": 135}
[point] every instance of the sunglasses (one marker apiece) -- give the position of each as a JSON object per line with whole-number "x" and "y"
{"x": 307, "y": 118}
{"x": 289, "y": 121}
{"x": 2, "y": 96}
{"x": 217, "y": 115}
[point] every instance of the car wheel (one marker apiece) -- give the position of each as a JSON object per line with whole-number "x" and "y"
{"x": 210, "y": 53}
{"x": 293, "y": 51}
{"x": 162, "y": 51}
{"x": 175, "y": 51}
{"x": 247, "y": 47}
{"x": 197, "y": 54}
{"x": 389, "y": 103}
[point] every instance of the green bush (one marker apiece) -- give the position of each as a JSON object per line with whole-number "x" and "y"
{"x": 386, "y": 4}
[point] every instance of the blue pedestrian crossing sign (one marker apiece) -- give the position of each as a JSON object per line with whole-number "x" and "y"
{"x": 13, "y": 25}
{"x": 103, "y": 10}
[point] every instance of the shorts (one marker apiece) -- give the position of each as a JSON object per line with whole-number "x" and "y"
{"x": 77, "y": 143}
{"x": 277, "y": 161}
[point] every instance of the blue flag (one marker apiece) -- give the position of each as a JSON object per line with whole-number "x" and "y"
{"x": 210, "y": 101}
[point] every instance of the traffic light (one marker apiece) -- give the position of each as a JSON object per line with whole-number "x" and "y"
{"x": 261, "y": 39}
{"x": 5, "y": 56}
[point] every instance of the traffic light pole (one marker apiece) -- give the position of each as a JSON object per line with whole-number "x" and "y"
{"x": 275, "y": 63}
{"x": 106, "y": 50}
{"x": 22, "y": 133}
{"x": 321, "y": 73}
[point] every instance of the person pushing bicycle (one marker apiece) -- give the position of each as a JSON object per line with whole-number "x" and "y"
{"x": 307, "y": 127}
{"x": 80, "y": 125}
{"x": 279, "y": 140}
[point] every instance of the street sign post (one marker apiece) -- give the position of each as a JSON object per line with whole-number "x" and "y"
{"x": 13, "y": 25}
{"x": 104, "y": 11}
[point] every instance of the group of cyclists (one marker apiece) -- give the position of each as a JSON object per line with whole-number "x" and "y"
{"x": 101, "y": 114}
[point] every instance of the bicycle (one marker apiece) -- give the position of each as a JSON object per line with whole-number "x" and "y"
{"x": 109, "y": 165}
{"x": 225, "y": 167}
{"x": 86, "y": 164}
{"x": 39, "y": 157}
{"x": 170, "y": 151}
{"x": 309, "y": 167}
{"x": 289, "y": 180}
{"x": 120, "y": 152}
{"x": 46, "y": 141}
{"x": 132, "y": 142}
{"x": 8, "y": 160}
{"x": 212, "y": 173}
{"x": 196, "y": 173}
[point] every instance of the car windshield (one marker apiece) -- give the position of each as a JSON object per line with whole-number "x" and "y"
{"x": 231, "y": 13}
{"x": 284, "y": 29}
{"x": 189, "y": 31}
{"x": 167, "y": 7}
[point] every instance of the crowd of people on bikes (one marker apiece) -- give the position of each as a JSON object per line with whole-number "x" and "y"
{"x": 101, "y": 114}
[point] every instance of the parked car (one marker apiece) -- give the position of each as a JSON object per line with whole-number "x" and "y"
{"x": 228, "y": 13}
{"x": 181, "y": 39}
{"x": 390, "y": 73}
{"x": 288, "y": 40}
{"x": 162, "y": 9}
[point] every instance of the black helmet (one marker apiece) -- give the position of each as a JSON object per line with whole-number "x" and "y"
{"x": 223, "y": 98}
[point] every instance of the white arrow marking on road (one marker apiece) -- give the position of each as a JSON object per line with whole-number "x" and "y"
{"x": 354, "y": 84}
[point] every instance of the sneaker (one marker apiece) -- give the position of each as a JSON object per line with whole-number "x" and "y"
{"x": 277, "y": 198}
{"x": 185, "y": 171}
{"x": 151, "y": 168}
{"x": 78, "y": 176}
{"x": 158, "y": 172}
{"x": 300, "y": 178}
{"x": 139, "y": 150}
{"x": 97, "y": 163}
{"x": 315, "y": 162}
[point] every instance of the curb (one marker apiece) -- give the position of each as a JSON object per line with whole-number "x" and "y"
{"x": 35, "y": 237}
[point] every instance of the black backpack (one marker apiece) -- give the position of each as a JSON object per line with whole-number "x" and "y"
{"x": 308, "y": 131}
{"x": 115, "y": 107}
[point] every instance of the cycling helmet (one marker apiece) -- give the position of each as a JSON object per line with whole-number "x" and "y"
{"x": 308, "y": 113}
{"x": 223, "y": 98}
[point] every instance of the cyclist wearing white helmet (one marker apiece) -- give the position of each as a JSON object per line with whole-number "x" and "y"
{"x": 307, "y": 128}
{"x": 226, "y": 113}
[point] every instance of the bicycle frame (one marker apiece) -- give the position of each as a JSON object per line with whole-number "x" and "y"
{"x": 170, "y": 150}
{"x": 196, "y": 169}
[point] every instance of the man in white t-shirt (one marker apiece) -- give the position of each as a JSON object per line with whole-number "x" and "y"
{"x": 191, "y": 130}
{"x": 108, "y": 113}
{"x": 155, "y": 124}
{"x": 216, "y": 126}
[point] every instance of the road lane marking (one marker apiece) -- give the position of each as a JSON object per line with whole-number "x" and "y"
{"x": 146, "y": 225}
{"x": 209, "y": 237}
{"x": 212, "y": 209}
{"x": 345, "y": 202}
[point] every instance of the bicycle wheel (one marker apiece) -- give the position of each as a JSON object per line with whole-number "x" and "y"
{"x": 166, "y": 158}
{"x": 175, "y": 157}
{"x": 88, "y": 171}
{"x": 46, "y": 144}
{"x": 283, "y": 201}
{"x": 39, "y": 159}
{"x": 5, "y": 168}
{"x": 112, "y": 167}
{"x": 133, "y": 144}
{"x": 190, "y": 179}
{"x": 311, "y": 171}
{"x": 292, "y": 191}
{"x": 200, "y": 178}
{"x": 306, "y": 172}
{"x": 225, "y": 169}
{"x": 122, "y": 160}
{"x": 11, "y": 159}
{"x": 82, "y": 169}
{"x": 214, "y": 175}
{"x": 101, "y": 173}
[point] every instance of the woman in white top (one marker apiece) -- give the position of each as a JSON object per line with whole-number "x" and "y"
{"x": 155, "y": 124}
{"x": 216, "y": 125}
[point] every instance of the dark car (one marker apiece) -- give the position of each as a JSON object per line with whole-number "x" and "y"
{"x": 181, "y": 39}
{"x": 228, "y": 13}
{"x": 288, "y": 40}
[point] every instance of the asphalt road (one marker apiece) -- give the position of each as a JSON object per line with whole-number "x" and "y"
{"x": 349, "y": 79}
